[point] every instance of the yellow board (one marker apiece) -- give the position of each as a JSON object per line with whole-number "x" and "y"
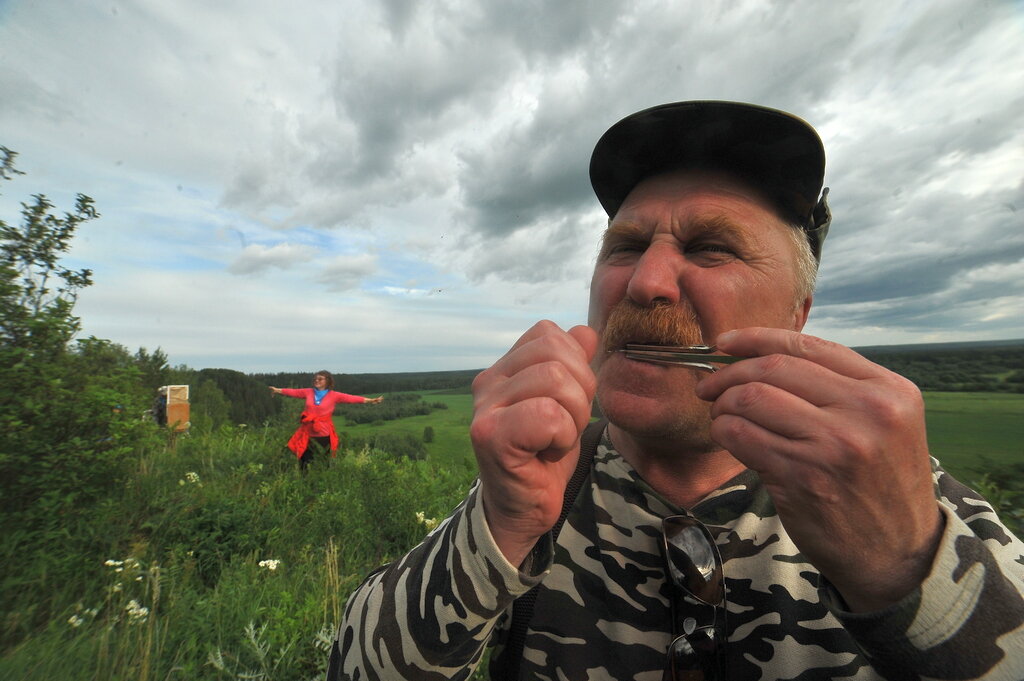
{"x": 177, "y": 407}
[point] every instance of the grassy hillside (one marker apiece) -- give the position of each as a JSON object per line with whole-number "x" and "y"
{"x": 220, "y": 561}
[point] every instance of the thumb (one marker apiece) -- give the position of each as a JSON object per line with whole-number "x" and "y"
{"x": 587, "y": 338}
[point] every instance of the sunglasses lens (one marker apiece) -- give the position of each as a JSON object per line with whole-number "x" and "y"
{"x": 695, "y": 566}
{"x": 694, "y": 657}
{"x": 693, "y": 559}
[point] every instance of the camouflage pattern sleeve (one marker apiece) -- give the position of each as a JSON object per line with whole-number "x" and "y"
{"x": 430, "y": 614}
{"x": 966, "y": 621}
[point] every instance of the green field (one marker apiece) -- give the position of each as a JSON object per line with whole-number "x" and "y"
{"x": 451, "y": 428}
{"x": 971, "y": 432}
{"x": 968, "y": 433}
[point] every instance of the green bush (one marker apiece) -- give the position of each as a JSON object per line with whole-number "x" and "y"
{"x": 1003, "y": 487}
{"x": 396, "y": 445}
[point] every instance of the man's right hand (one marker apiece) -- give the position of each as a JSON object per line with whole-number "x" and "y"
{"x": 529, "y": 411}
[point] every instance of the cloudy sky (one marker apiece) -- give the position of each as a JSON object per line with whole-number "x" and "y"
{"x": 392, "y": 185}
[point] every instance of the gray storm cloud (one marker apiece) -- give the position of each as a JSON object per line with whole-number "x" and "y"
{"x": 364, "y": 146}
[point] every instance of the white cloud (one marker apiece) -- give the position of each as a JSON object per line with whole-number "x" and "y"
{"x": 345, "y": 272}
{"x": 257, "y": 258}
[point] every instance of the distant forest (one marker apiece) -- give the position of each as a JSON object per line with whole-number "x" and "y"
{"x": 376, "y": 384}
{"x": 956, "y": 367}
{"x": 952, "y": 367}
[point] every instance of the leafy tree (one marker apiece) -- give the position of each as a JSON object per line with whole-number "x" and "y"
{"x": 154, "y": 369}
{"x": 210, "y": 409}
{"x": 68, "y": 414}
{"x": 36, "y": 292}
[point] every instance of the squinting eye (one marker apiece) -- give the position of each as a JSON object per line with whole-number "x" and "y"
{"x": 624, "y": 248}
{"x": 709, "y": 248}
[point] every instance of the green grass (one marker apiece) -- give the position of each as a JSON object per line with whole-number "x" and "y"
{"x": 969, "y": 433}
{"x": 196, "y": 519}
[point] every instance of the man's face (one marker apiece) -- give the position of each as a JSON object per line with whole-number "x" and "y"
{"x": 687, "y": 257}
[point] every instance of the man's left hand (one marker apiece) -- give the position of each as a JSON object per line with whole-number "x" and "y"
{"x": 841, "y": 446}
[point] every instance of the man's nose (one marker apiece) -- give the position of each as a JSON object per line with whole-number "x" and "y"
{"x": 656, "y": 277}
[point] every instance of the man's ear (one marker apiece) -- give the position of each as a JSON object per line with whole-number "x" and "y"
{"x": 802, "y": 311}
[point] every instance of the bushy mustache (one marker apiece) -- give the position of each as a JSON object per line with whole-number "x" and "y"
{"x": 661, "y": 324}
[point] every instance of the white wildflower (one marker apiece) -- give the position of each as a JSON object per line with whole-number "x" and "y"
{"x": 137, "y": 613}
{"x": 192, "y": 477}
{"x": 75, "y": 621}
{"x": 270, "y": 564}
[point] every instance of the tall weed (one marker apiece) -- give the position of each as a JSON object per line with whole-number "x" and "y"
{"x": 216, "y": 559}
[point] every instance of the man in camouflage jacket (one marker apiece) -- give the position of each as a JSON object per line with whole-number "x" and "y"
{"x": 847, "y": 553}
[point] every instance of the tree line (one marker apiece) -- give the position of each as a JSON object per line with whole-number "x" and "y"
{"x": 372, "y": 384}
{"x": 978, "y": 368}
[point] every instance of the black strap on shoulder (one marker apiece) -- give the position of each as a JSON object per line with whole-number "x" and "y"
{"x": 522, "y": 608}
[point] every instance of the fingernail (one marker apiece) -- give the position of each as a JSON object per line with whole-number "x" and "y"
{"x": 726, "y": 337}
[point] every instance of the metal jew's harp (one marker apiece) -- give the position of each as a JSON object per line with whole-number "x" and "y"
{"x": 693, "y": 356}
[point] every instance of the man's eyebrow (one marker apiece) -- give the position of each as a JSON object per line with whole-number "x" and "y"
{"x": 713, "y": 225}
{"x": 625, "y": 228}
{"x": 718, "y": 225}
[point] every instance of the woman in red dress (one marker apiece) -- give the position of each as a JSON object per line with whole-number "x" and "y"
{"x": 317, "y": 422}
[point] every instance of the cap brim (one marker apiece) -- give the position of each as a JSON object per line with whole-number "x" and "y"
{"x": 777, "y": 152}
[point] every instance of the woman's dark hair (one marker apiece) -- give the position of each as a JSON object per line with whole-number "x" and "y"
{"x": 327, "y": 377}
